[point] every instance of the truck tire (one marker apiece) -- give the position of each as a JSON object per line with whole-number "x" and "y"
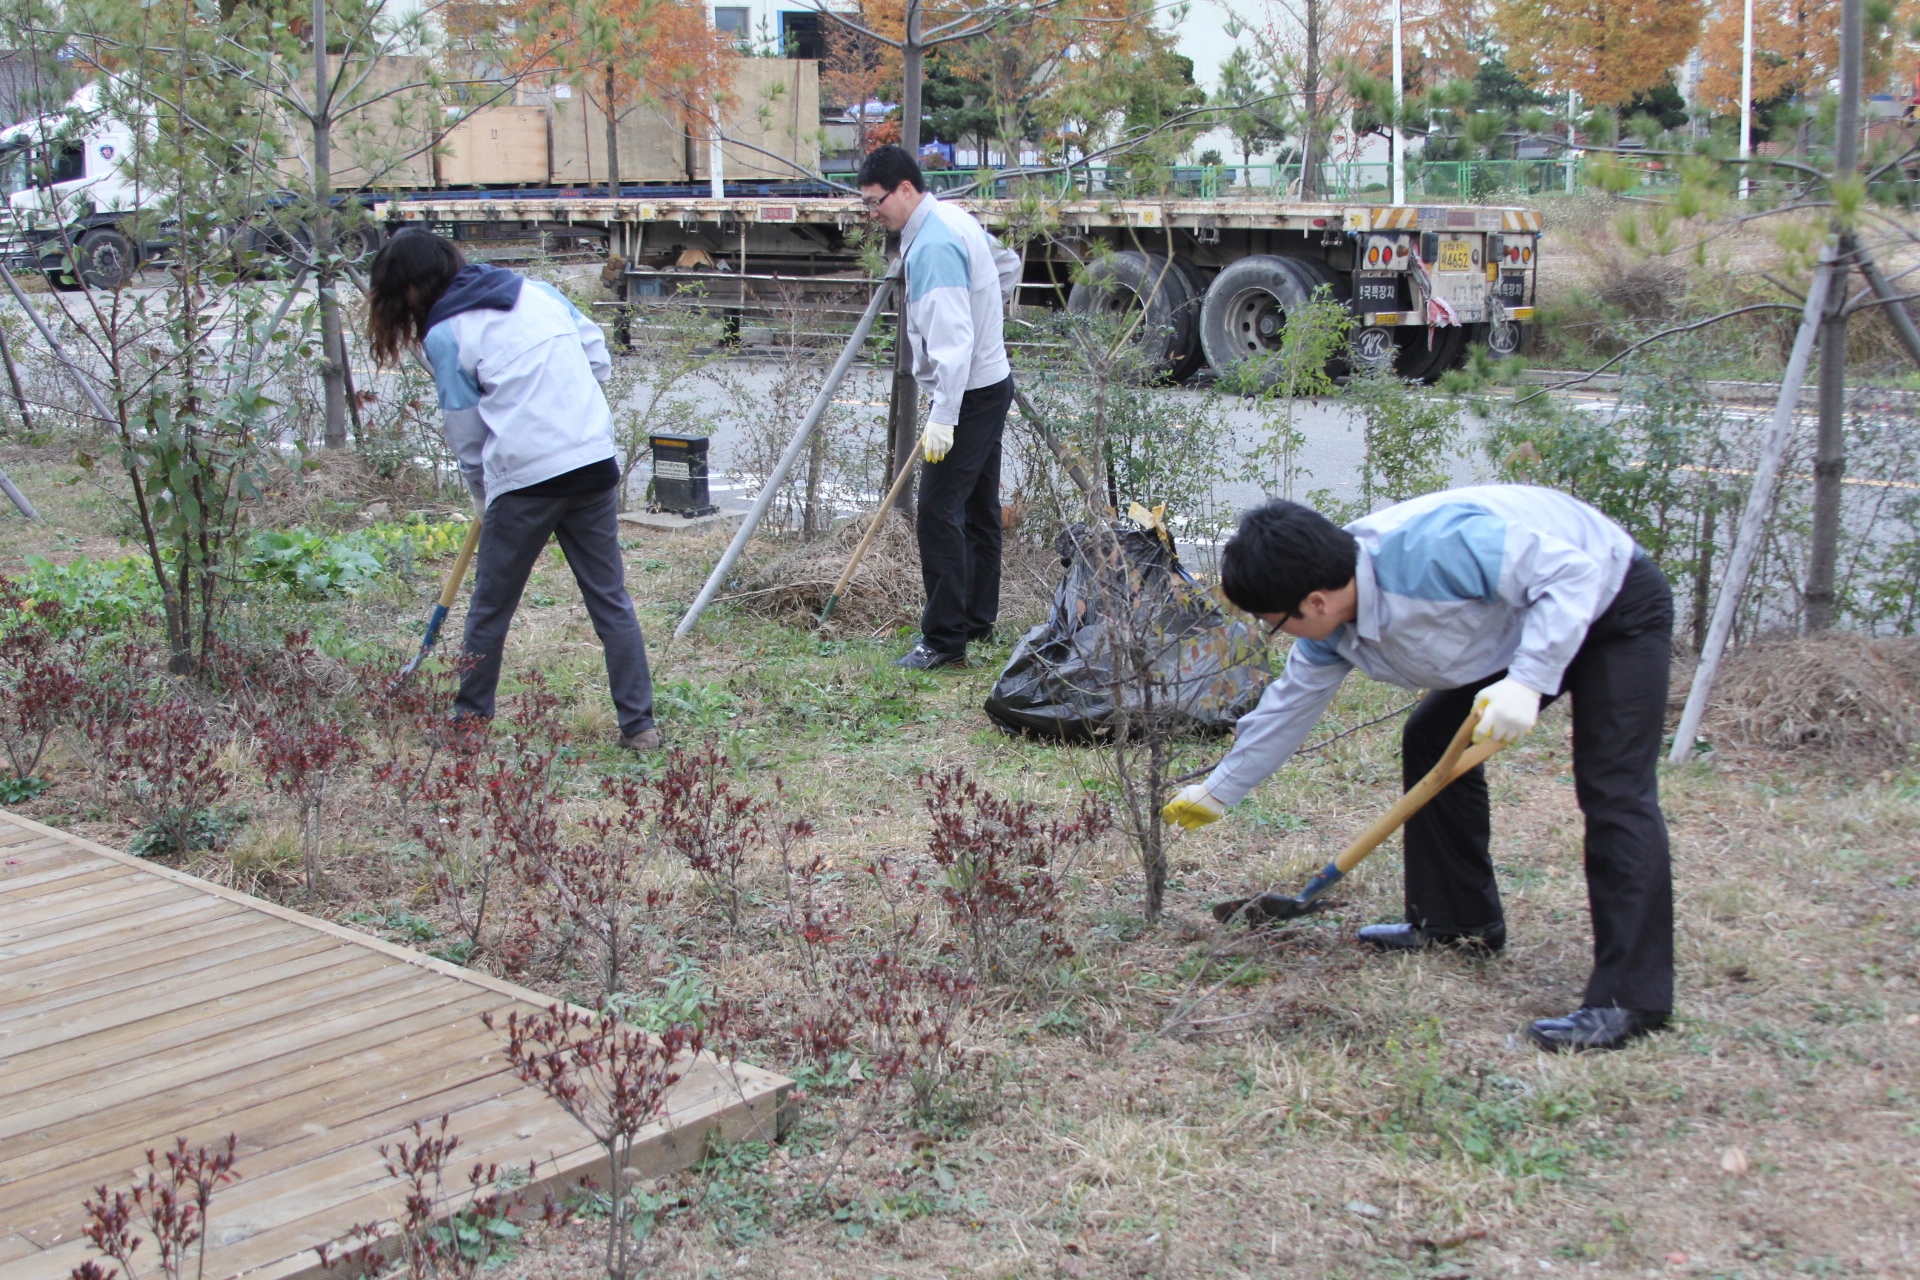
{"x": 1132, "y": 282}
{"x": 105, "y": 259}
{"x": 59, "y": 279}
{"x": 1417, "y": 362}
{"x": 358, "y": 243}
{"x": 272, "y": 244}
{"x": 1195, "y": 358}
{"x": 1245, "y": 313}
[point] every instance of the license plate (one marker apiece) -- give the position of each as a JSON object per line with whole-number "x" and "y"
{"x": 1456, "y": 255}
{"x": 1512, "y": 289}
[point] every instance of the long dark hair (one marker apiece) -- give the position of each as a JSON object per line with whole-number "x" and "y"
{"x": 407, "y": 277}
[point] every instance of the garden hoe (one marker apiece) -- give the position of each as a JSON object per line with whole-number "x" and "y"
{"x": 448, "y": 591}
{"x": 1271, "y": 908}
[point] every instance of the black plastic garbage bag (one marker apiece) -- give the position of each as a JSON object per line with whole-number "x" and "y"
{"x": 1179, "y": 652}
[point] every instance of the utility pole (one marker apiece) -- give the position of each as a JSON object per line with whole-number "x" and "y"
{"x": 1399, "y": 152}
{"x": 1830, "y": 444}
{"x": 1746, "y": 100}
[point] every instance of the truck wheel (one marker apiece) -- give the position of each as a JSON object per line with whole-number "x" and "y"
{"x": 272, "y": 243}
{"x": 105, "y": 259}
{"x": 1418, "y": 362}
{"x": 1195, "y": 358}
{"x": 1244, "y": 317}
{"x": 1131, "y": 283}
{"x": 358, "y": 243}
{"x": 59, "y": 279}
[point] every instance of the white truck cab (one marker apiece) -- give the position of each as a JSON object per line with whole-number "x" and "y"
{"x": 67, "y": 182}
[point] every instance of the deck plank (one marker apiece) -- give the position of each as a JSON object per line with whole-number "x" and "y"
{"x": 138, "y": 1003}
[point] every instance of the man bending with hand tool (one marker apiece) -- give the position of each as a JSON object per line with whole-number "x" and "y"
{"x": 1495, "y": 598}
{"x": 958, "y": 279}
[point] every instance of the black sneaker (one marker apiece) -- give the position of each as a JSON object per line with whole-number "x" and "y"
{"x": 1485, "y": 940}
{"x": 1594, "y": 1028}
{"x": 921, "y": 658}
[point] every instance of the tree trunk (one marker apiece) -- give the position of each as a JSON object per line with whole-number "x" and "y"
{"x": 1830, "y": 445}
{"x": 613, "y": 142}
{"x": 13, "y": 380}
{"x": 1829, "y": 458}
{"x": 332, "y": 342}
{"x": 1310, "y": 102}
{"x": 912, "y": 71}
{"x": 906, "y": 393}
{"x": 1703, "y": 566}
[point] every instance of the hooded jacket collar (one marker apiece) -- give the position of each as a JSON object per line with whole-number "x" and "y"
{"x": 477, "y": 287}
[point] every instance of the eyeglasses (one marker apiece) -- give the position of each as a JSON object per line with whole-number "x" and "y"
{"x": 1273, "y": 628}
{"x": 872, "y": 203}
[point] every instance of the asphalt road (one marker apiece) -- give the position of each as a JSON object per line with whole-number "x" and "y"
{"x": 1332, "y": 455}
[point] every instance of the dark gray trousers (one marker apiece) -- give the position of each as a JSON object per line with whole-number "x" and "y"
{"x": 959, "y": 525}
{"x": 1618, "y": 682}
{"x": 514, "y": 533}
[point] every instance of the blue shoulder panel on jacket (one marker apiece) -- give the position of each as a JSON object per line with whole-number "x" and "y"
{"x": 937, "y": 261}
{"x": 558, "y": 296}
{"x": 1453, "y": 552}
{"x": 1321, "y": 653}
{"x": 458, "y": 388}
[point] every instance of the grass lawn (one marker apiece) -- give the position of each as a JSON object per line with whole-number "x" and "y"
{"x": 1172, "y": 1100}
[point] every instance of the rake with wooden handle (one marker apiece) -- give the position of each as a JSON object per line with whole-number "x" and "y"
{"x": 1461, "y": 756}
{"x": 873, "y": 528}
{"x": 449, "y": 591}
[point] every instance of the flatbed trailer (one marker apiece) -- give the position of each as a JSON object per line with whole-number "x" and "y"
{"x": 1213, "y": 278}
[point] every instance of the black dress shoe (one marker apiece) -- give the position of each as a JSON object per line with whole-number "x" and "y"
{"x": 1486, "y": 940}
{"x": 921, "y": 658}
{"x": 1594, "y": 1028}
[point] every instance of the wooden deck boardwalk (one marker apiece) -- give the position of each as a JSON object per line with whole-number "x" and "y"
{"x": 138, "y": 1003}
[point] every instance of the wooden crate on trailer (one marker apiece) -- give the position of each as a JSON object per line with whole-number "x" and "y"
{"x": 383, "y": 137}
{"x": 774, "y": 105}
{"x": 653, "y": 148}
{"x": 495, "y": 146}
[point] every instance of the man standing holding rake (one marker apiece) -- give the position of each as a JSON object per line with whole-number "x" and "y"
{"x": 958, "y": 280}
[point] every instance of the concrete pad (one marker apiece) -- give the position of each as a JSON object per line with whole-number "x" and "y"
{"x": 668, "y": 522}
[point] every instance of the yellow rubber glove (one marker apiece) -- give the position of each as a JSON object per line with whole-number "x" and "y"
{"x": 937, "y": 440}
{"x": 1194, "y": 807}
{"x": 1507, "y": 711}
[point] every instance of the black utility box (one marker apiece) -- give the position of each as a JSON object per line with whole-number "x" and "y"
{"x": 680, "y": 475}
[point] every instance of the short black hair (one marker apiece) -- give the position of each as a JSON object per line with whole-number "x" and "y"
{"x": 888, "y": 167}
{"x": 1281, "y": 554}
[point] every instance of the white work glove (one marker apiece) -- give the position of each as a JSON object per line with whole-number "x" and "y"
{"x": 1507, "y": 710}
{"x": 1193, "y": 807}
{"x": 937, "y": 441}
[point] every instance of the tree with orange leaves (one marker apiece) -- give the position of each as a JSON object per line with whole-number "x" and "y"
{"x": 622, "y": 54}
{"x": 1605, "y": 50}
{"x": 1796, "y": 50}
{"x": 1443, "y": 40}
{"x": 858, "y": 69}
